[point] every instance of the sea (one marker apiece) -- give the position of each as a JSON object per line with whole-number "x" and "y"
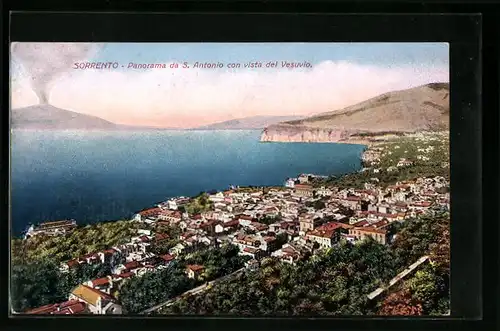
{"x": 94, "y": 176}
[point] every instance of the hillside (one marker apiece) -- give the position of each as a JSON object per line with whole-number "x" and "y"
{"x": 52, "y": 118}
{"x": 48, "y": 117}
{"x": 423, "y": 108}
{"x": 253, "y": 122}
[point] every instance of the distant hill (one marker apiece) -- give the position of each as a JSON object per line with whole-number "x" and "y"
{"x": 48, "y": 117}
{"x": 246, "y": 123}
{"x": 423, "y": 108}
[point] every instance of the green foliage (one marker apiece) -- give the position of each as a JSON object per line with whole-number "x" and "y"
{"x": 395, "y": 149}
{"x": 334, "y": 282}
{"x": 81, "y": 241}
{"x": 270, "y": 219}
{"x": 37, "y": 284}
{"x": 317, "y": 204}
{"x": 141, "y": 293}
{"x": 198, "y": 204}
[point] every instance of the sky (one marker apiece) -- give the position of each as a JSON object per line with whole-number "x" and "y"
{"x": 340, "y": 74}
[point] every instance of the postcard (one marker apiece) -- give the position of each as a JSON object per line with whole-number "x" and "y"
{"x": 244, "y": 179}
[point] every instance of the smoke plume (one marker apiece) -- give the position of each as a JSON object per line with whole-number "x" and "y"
{"x": 44, "y": 62}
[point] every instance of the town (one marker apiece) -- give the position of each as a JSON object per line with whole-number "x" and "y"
{"x": 289, "y": 223}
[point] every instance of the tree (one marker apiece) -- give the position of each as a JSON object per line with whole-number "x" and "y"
{"x": 400, "y": 303}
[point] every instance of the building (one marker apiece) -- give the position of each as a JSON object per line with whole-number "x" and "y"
{"x": 97, "y": 301}
{"x": 194, "y": 271}
{"x": 303, "y": 178}
{"x": 51, "y": 228}
{"x": 307, "y": 223}
{"x": 71, "y": 307}
{"x": 328, "y": 234}
{"x": 104, "y": 284}
{"x": 304, "y": 190}
{"x": 378, "y": 234}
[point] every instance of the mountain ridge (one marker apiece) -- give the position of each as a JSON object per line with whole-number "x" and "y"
{"x": 250, "y": 122}
{"x": 421, "y": 108}
{"x": 48, "y": 117}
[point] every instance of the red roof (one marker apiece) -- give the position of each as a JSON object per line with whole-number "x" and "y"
{"x": 144, "y": 238}
{"x": 361, "y": 223}
{"x": 269, "y": 239}
{"x": 126, "y": 274}
{"x": 100, "y": 281}
{"x": 195, "y": 267}
{"x": 150, "y": 211}
{"x": 250, "y": 250}
{"x": 353, "y": 198}
{"x": 77, "y": 308}
{"x": 167, "y": 257}
{"x": 380, "y": 224}
{"x": 72, "y": 263}
{"x": 303, "y": 187}
{"x": 197, "y": 217}
{"x": 47, "y": 309}
{"x": 371, "y": 229}
{"x": 422, "y": 204}
{"x": 161, "y": 236}
{"x": 64, "y": 308}
{"x": 132, "y": 265}
{"x": 209, "y": 223}
{"x": 321, "y": 233}
{"x": 245, "y": 217}
{"x": 231, "y": 223}
{"x": 334, "y": 226}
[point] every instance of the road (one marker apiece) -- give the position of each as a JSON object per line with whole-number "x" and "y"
{"x": 193, "y": 291}
{"x": 398, "y": 277}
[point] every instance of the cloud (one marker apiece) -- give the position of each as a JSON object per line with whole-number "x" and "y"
{"x": 191, "y": 97}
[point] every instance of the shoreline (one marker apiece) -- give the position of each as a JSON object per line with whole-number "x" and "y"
{"x": 367, "y": 145}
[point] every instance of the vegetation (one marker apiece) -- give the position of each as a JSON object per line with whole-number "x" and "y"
{"x": 335, "y": 282}
{"x": 141, "y": 293}
{"x": 198, "y": 204}
{"x": 37, "y": 284}
{"x": 81, "y": 241}
{"x": 393, "y": 150}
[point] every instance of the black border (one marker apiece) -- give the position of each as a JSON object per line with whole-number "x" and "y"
{"x": 463, "y": 33}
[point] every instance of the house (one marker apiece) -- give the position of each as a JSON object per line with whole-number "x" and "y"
{"x": 97, "y": 301}
{"x": 173, "y": 216}
{"x": 52, "y": 228}
{"x": 167, "y": 258}
{"x": 290, "y": 182}
{"x": 104, "y": 284}
{"x": 379, "y": 235}
{"x": 324, "y": 192}
{"x": 303, "y": 178}
{"x": 194, "y": 271}
{"x": 307, "y": 222}
{"x": 105, "y": 256}
{"x": 288, "y": 254}
{"x": 252, "y": 264}
{"x": 304, "y": 190}
{"x": 353, "y": 202}
{"x": 148, "y": 213}
{"x": 71, "y": 307}
{"x": 160, "y": 238}
{"x": 253, "y": 252}
{"x": 208, "y": 227}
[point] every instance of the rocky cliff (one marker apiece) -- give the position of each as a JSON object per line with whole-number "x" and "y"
{"x": 423, "y": 108}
